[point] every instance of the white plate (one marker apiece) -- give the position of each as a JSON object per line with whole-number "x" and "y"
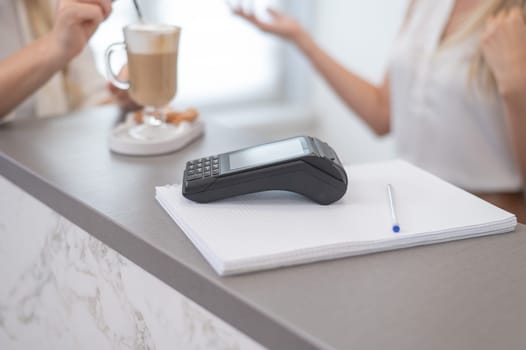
{"x": 121, "y": 142}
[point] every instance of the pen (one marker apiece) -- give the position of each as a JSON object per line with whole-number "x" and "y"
{"x": 394, "y": 219}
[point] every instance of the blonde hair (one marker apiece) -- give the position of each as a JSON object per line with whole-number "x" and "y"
{"x": 40, "y": 15}
{"x": 479, "y": 71}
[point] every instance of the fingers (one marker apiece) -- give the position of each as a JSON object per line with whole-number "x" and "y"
{"x": 504, "y": 48}
{"x": 279, "y": 24}
{"x": 241, "y": 6}
{"x": 516, "y": 16}
{"x": 241, "y": 12}
{"x": 493, "y": 23}
{"x": 260, "y": 24}
{"x": 90, "y": 15}
{"x": 246, "y": 15}
{"x": 252, "y": 18}
{"x": 274, "y": 13}
{"x": 513, "y": 17}
{"x": 104, "y": 5}
{"x": 505, "y": 29}
{"x": 84, "y": 12}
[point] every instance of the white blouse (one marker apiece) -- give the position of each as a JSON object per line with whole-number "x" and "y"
{"x": 441, "y": 122}
{"x": 51, "y": 99}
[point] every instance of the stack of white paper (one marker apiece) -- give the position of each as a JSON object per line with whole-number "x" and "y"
{"x": 272, "y": 229}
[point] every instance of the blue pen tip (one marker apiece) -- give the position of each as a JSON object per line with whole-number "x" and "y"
{"x": 396, "y": 228}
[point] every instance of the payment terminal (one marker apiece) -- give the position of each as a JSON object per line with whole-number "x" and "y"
{"x": 303, "y": 165}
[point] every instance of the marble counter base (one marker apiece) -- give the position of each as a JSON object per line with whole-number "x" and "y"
{"x": 60, "y": 288}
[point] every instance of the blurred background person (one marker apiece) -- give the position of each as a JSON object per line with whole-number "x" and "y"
{"x": 46, "y": 67}
{"x": 453, "y": 97}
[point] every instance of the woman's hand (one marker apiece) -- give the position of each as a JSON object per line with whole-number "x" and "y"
{"x": 22, "y": 73}
{"x": 504, "y": 48}
{"x": 122, "y": 97}
{"x": 281, "y": 24}
{"x": 75, "y": 23}
{"x": 369, "y": 101}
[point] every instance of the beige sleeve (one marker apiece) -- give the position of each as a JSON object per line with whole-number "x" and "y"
{"x": 88, "y": 82}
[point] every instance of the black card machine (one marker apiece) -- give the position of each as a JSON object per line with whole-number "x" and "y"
{"x": 304, "y": 165}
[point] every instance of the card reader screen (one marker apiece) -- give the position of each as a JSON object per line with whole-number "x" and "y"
{"x": 269, "y": 153}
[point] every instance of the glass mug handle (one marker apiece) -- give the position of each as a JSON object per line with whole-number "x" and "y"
{"x": 114, "y": 79}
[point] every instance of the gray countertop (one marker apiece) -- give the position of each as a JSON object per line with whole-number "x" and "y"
{"x": 468, "y": 294}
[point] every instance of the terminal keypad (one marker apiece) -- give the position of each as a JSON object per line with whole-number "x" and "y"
{"x": 202, "y": 168}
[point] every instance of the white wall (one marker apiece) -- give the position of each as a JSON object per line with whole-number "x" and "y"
{"x": 359, "y": 34}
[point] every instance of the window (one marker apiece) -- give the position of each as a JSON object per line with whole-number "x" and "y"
{"x": 222, "y": 59}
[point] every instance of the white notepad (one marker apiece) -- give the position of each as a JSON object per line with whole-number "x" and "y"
{"x": 273, "y": 229}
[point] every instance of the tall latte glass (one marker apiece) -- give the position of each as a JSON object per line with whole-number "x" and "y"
{"x": 152, "y": 51}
